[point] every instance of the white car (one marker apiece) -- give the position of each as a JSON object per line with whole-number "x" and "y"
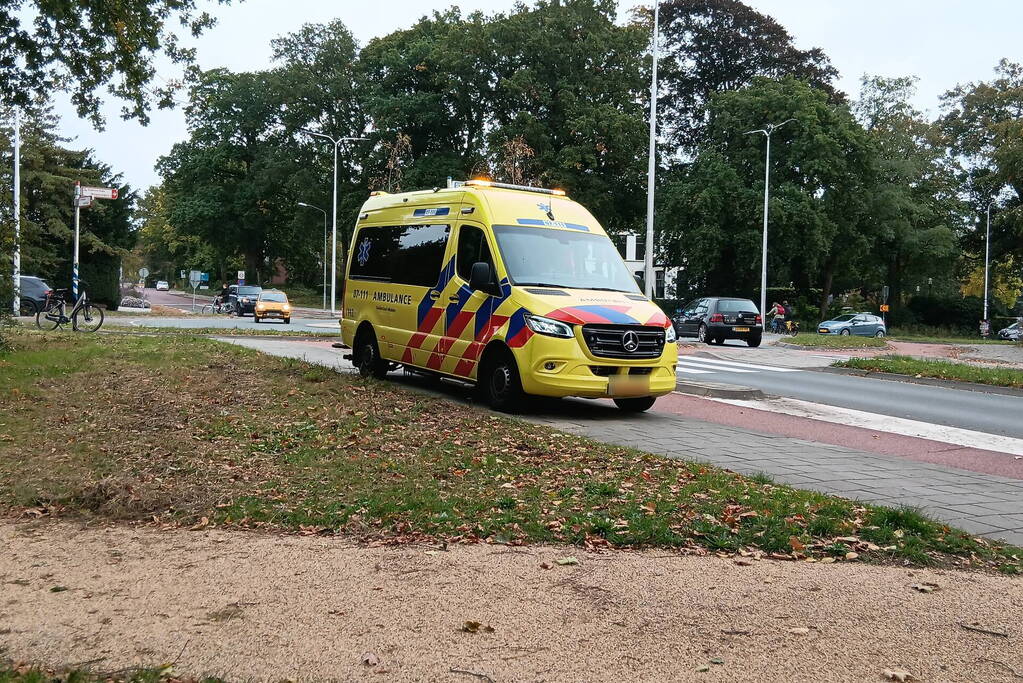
{"x": 162, "y": 286}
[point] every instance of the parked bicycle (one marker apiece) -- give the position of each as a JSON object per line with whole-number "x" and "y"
{"x": 84, "y": 316}
{"x": 791, "y": 328}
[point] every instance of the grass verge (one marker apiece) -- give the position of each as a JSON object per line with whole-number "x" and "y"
{"x": 187, "y": 431}
{"x": 940, "y": 369}
{"x": 14, "y": 672}
{"x": 833, "y": 341}
{"x": 952, "y": 340}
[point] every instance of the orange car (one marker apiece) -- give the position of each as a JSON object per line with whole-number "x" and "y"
{"x": 272, "y": 304}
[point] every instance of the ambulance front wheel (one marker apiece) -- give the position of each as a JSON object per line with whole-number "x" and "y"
{"x": 500, "y": 383}
{"x": 635, "y": 405}
{"x": 367, "y": 356}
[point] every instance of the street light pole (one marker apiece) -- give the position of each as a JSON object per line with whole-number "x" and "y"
{"x": 648, "y": 260}
{"x": 766, "y": 130}
{"x": 987, "y": 256}
{"x": 310, "y": 206}
{"x": 17, "y": 213}
{"x": 333, "y": 262}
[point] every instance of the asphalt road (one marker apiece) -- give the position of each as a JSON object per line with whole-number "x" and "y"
{"x": 984, "y": 412}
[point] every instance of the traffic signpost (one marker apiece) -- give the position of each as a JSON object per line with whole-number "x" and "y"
{"x": 194, "y": 278}
{"x": 241, "y": 277}
{"x": 84, "y": 195}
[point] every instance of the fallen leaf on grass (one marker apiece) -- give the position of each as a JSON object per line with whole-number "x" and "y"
{"x": 546, "y": 565}
{"x": 369, "y": 659}
{"x": 851, "y": 556}
{"x": 201, "y": 524}
{"x": 899, "y": 675}
{"x": 567, "y": 561}
{"x": 717, "y": 661}
{"x": 796, "y": 544}
{"x": 476, "y": 627}
{"x": 702, "y": 669}
{"x": 742, "y": 562}
{"x": 827, "y": 560}
{"x": 925, "y": 587}
{"x": 58, "y": 589}
{"x": 800, "y": 631}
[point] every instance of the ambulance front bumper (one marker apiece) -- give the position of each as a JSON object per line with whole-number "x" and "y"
{"x": 545, "y": 372}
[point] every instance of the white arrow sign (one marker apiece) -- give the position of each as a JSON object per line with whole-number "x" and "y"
{"x": 99, "y": 192}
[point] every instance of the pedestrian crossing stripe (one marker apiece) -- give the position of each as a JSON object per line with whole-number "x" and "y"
{"x": 703, "y": 366}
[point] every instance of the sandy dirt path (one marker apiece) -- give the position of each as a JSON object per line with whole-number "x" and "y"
{"x": 252, "y": 606}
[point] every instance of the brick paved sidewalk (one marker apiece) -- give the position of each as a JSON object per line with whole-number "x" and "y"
{"x": 981, "y": 504}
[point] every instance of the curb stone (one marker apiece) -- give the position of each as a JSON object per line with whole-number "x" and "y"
{"x": 716, "y": 390}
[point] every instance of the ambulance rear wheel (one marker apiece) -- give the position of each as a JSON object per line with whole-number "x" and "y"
{"x": 501, "y": 384}
{"x": 367, "y": 357}
{"x": 635, "y": 405}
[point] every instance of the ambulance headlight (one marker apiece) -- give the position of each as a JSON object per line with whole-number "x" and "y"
{"x": 547, "y": 326}
{"x": 669, "y": 335}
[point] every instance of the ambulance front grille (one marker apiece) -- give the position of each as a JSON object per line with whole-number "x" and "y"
{"x": 611, "y": 341}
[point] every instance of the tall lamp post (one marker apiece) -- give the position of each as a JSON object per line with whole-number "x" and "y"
{"x": 333, "y": 261}
{"x": 16, "y": 274}
{"x": 648, "y": 259}
{"x": 310, "y": 206}
{"x": 766, "y": 131}
{"x": 987, "y": 255}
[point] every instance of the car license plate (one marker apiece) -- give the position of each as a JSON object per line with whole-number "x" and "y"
{"x": 628, "y": 385}
{"x": 741, "y": 329}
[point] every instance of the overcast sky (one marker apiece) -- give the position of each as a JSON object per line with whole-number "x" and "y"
{"x": 943, "y": 42}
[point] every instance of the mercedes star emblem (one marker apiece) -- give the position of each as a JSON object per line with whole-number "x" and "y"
{"x": 630, "y": 341}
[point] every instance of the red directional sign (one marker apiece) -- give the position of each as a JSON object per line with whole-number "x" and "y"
{"x": 99, "y": 192}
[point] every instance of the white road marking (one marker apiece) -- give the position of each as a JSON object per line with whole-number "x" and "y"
{"x": 686, "y": 370}
{"x": 685, "y": 362}
{"x": 884, "y": 423}
{"x": 728, "y": 365}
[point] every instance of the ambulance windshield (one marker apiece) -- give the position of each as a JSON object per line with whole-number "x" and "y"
{"x": 546, "y": 257}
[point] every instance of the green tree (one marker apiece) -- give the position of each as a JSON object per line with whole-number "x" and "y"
{"x": 915, "y": 207}
{"x": 821, "y": 177}
{"x": 984, "y": 127}
{"x": 570, "y": 84}
{"x": 715, "y": 46}
{"x": 83, "y": 47}
{"x": 49, "y": 171}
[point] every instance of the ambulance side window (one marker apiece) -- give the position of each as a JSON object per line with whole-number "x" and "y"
{"x": 472, "y": 248}
{"x": 419, "y": 256}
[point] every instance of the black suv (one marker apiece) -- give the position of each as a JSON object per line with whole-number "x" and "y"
{"x": 245, "y": 299}
{"x": 715, "y": 319}
{"x": 33, "y": 294}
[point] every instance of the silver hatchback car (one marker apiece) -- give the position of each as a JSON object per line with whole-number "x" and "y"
{"x": 860, "y": 324}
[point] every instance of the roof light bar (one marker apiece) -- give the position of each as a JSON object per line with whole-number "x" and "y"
{"x": 480, "y": 182}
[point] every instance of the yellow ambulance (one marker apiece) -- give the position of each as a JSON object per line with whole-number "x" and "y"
{"x": 516, "y": 289}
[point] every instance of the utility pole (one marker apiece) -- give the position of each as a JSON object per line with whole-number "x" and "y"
{"x": 333, "y": 263}
{"x": 766, "y": 130}
{"x": 987, "y": 255}
{"x": 648, "y": 261}
{"x": 310, "y": 206}
{"x": 74, "y": 260}
{"x": 16, "y": 279}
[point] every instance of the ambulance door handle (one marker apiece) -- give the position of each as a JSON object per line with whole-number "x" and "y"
{"x": 434, "y": 294}
{"x": 453, "y": 299}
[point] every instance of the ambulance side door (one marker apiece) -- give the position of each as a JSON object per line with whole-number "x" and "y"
{"x": 469, "y": 312}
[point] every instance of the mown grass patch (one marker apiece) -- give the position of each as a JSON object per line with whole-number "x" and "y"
{"x": 187, "y": 431}
{"x": 14, "y": 672}
{"x": 833, "y": 341}
{"x": 939, "y": 369}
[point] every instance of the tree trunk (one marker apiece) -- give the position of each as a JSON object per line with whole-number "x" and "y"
{"x": 253, "y": 261}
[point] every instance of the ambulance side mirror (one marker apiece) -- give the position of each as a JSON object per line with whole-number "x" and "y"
{"x": 481, "y": 279}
